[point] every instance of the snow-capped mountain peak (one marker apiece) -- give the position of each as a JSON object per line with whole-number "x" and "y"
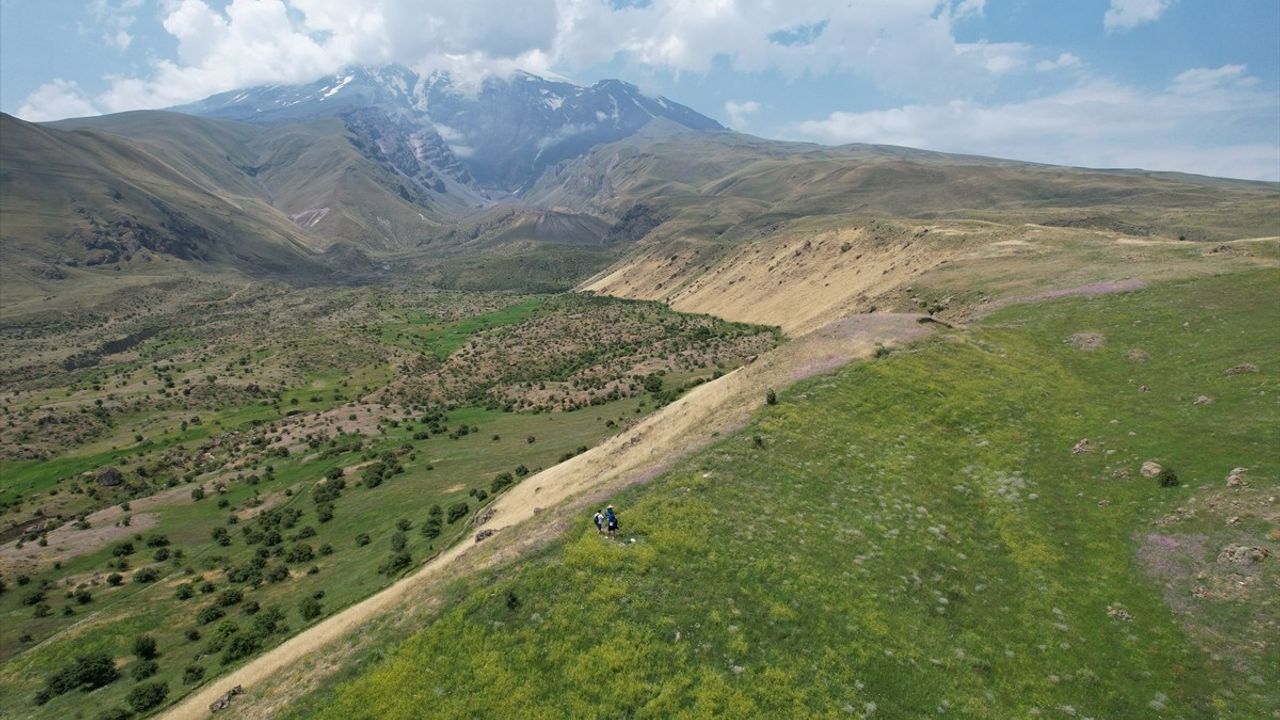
{"x": 497, "y": 135}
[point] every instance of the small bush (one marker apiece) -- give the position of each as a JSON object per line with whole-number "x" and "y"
{"x": 184, "y": 591}
{"x": 362, "y": 539}
{"x": 431, "y": 528}
{"x": 502, "y": 481}
{"x": 398, "y": 562}
{"x": 146, "y": 575}
{"x": 240, "y": 646}
{"x": 457, "y": 511}
{"x": 144, "y": 669}
{"x": 144, "y": 646}
{"x": 147, "y": 696}
{"x": 192, "y": 674}
{"x": 398, "y": 541}
{"x": 230, "y": 597}
{"x": 209, "y": 614}
{"x": 310, "y": 608}
{"x": 86, "y": 672}
{"x": 1167, "y": 478}
{"x": 771, "y": 397}
{"x": 300, "y": 553}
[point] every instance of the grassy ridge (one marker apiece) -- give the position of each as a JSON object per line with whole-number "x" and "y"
{"x": 910, "y": 537}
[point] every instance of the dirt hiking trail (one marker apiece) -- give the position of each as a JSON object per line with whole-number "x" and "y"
{"x": 637, "y": 455}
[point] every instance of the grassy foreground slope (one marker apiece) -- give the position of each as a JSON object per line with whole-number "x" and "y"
{"x": 915, "y": 536}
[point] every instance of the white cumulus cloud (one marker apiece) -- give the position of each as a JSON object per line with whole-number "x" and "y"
{"x": 906, "y": 47}
{"x": 738, "y": 112}
{"x": 55, "y": 100}
{"x": 1097, "y": 123}
{"x": 1127, "y": 14}
{"x": 1064, "y": 60}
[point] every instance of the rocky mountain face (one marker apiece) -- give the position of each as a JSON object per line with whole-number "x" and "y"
{"x": 492, "y": 139}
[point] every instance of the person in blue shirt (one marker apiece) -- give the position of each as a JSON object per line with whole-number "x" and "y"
{"x": 611, "y": 520}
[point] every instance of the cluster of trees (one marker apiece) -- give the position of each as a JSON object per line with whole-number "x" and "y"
{"x": 93, "y": 670}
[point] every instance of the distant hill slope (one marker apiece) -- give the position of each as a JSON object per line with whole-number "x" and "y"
{"x": 750, "y": 180}
{"x": 312, "y": 173}
{"x": 74, "y": 200}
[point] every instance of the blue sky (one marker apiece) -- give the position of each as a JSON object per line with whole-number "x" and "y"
{"x": 1162, "y": 84}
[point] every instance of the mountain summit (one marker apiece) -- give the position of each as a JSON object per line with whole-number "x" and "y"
{"x": 494, "y": 138}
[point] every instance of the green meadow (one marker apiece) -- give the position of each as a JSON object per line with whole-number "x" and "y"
{"x": 914, "y": 536}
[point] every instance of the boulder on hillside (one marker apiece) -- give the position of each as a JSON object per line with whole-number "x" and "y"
{"x": 1151, "y": 468}
{"x": 1236, "y": 477}
{"x": 1237, "y": 554}
{"x": 109, "y": 477}
{"x": 1081, "y": 447}
{"x": 1088, "y": 341}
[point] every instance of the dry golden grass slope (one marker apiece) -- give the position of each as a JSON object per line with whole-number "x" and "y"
{"x": 810, "y": 272}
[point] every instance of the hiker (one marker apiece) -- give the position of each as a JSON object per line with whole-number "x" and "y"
{"x": 598, "y": 519}
{"x": 612, "y": 519}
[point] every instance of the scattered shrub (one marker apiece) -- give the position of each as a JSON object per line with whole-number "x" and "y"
{"x": 310, "y": 608}
{"x": 241, "y": 645}
{"x": 144, "y": 669}
{"x": 147, "y": 696}
{"x": 300, "y": 553}
{"x": 86, "y": 672}
{"x": 146, "y": 575}
{"x": 208, "y": 614}
{"x": 144, "y": 646}
{"x": 398, "y": 562}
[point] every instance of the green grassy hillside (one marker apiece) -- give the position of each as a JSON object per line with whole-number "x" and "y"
{"x": 915, "y": 536}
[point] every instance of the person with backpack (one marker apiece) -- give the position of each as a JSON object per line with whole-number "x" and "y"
{"x": 598, "y": 519}
{"x": 611, "y": 520}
